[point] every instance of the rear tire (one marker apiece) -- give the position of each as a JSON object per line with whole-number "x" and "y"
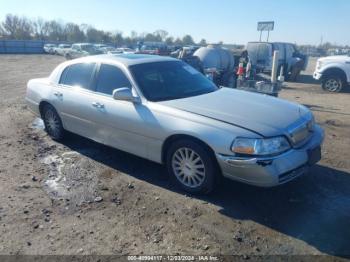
{"x": 52, "y": 122}
{"x": 191, "y": 166}
{"x": 333, "y": 83}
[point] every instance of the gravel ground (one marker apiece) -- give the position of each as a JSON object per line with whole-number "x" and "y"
{"x": 84, "y": 198}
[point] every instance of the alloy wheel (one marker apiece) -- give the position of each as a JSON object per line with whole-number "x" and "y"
{"x": 52, "y": 123}
{"x": 332, "y": 85}
{"x": 188, "y": 167}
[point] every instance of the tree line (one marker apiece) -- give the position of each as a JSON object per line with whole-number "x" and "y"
{"x": 15, "y": 27}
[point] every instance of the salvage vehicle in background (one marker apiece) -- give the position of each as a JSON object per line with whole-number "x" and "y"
{"x": 109, "y": 50}
{"x": 125, "y": 50}
{"x": 101, "y": 46}
{"x": 218, "y": 64}
{"x": 189, "y": 50}
{"x": 120, "y": 50}
{"x": 61, "y": 49}
{"x": 81, "y": 50}
{"x": 162, "y": 109}
{"x": 153, "y": 48}
{"x": 290, "y": 59}
{"x": 334, "y": 72}
{"x": 49, "y": 48}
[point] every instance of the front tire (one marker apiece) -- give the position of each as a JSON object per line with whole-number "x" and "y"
{"x": 191, "y": 166}
{"x": 333, "y": 83}
{"x": 52, "y": 122}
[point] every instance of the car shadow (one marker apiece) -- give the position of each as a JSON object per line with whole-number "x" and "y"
{"x": 314, "y": 208}
{"x": 307, "y": 79}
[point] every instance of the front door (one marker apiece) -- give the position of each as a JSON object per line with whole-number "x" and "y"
{"x": 122, "y": 123}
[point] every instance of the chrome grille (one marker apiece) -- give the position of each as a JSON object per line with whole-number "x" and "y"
{"x": 301, "y": 134}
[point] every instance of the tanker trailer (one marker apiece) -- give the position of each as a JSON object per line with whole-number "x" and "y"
{"x": 218, "y": 64}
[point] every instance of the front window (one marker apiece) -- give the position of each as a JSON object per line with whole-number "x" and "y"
{"x": 110, "y": 78}
{"x": 169, "y": 80}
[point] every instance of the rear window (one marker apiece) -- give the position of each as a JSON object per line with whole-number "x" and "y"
{"x": 78, "y": 75}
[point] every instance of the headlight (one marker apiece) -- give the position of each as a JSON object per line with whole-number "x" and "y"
{"x": 260, "y": 147}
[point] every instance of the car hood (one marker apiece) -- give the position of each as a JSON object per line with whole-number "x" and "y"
{"x": 265, "y": 115}
{"x": 336, "y": 58}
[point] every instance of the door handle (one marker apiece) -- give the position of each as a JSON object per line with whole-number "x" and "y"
{"x": 98, "y": 105}
{"x": 58, "y": 94}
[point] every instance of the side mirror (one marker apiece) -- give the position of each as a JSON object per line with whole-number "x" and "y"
{"x": 125, "y": 94}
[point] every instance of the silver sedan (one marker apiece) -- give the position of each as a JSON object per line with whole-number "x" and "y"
{"x": 162, "y": 109}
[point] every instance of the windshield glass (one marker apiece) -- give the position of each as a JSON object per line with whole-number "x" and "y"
{"x": 88, "y": 48}
{"x": 169, "y": 80}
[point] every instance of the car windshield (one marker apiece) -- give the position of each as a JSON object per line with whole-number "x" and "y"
{"x": 160, "y": 81}
{"x": 88, "y": 48}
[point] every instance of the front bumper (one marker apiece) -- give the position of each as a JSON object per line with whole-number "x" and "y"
{"x": 272, "y": 171}
{"x": 317, "y": 75}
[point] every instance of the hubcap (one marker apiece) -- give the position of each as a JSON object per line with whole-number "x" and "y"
{"x": 332, "y": 85}
{"x": 52, "y": 123}
{"x": 188, "y": 167}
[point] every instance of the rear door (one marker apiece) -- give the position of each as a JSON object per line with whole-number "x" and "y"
{"x": 74, "y": 99}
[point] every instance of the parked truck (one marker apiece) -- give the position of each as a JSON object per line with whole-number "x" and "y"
{"x": 291, "y": 61}
{"x": 334, "y": 72}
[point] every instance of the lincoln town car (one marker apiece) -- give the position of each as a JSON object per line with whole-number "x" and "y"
{"x": 163, "y": 110}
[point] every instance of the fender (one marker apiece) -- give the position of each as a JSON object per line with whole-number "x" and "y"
{"x": 340, "y": 66}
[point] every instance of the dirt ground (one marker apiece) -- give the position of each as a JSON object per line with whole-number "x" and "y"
{"x": 84, "y": 198}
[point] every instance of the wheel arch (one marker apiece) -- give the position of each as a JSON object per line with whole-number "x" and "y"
{"x": 334, "y": 71}
{"x": 176, "y": 137}
{"x": 42, "y": 105}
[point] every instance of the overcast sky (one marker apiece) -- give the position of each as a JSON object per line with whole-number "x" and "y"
{"x": 231, "y": 21}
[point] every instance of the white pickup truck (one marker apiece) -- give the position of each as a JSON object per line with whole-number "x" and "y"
{"x": 334, "y": 72}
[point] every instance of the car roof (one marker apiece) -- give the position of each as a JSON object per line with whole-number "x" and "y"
{"x": 126, "y": 59}
{"x": 83, "y": 44}
{"x": 257, "y": 42}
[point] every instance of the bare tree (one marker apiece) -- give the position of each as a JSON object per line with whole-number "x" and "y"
{"x": 169, "y": 40}
{"x": 56, "y": 31}
{"x": 203, "y": 42}
{"x": 40, "y": 28}
{"x": 187, "y": 40}
{"x": 117, "y": 38}
{"x": 162, "y": 34}
{"x": 2, "y": 31}
{"x": 16, "y": 27}
{"x": 94, "y": 35}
